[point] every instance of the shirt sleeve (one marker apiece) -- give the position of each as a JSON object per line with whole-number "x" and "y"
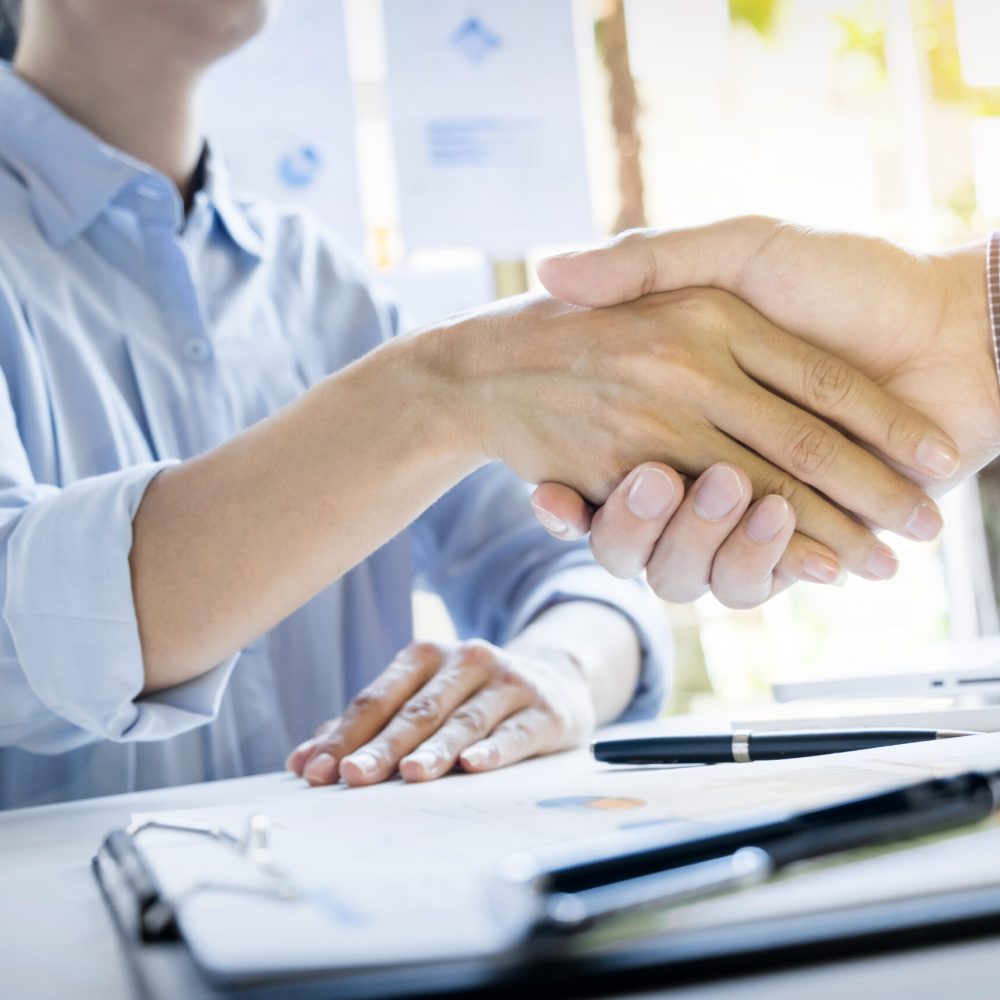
{"x": 71, "y": 668}
{"x": 497, "y": 569}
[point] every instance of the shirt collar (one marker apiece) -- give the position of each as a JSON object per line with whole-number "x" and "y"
{"x": 229, "y": 211}
{"x": 72, "y": 176}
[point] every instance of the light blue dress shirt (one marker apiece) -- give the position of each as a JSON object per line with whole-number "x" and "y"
{"x": 132, "y": 338}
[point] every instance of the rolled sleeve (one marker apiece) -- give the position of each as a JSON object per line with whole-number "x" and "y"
{"x": 70, "y": 617}
{"x": 482, "y": 550}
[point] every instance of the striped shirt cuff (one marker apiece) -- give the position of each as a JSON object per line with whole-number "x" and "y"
{"x": 993, "y": 290}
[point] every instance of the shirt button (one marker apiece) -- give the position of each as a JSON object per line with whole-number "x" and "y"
{"x": 196, "y": 350}
{"x": 150, "y": 191}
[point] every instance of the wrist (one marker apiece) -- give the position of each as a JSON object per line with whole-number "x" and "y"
{"x": 425, "y": 374}
{"x": 489, "y": 362}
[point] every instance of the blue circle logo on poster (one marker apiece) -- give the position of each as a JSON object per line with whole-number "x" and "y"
{"x": 298, "y": 168}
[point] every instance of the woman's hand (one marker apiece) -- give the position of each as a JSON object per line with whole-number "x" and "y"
{"x": 436, "y": 705}
{"x": 689, "y": 540}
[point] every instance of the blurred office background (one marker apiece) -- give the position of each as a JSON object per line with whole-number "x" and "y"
{"x": 595, "y": 115}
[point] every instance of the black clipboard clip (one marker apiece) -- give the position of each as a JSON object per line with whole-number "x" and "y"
{"x": 134, "y": 893}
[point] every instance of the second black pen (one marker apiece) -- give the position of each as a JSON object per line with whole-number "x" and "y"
{"x": 743, "y": 747}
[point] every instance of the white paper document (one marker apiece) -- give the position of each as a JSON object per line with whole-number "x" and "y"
{"x": 282, "y": 111}
{"x": 407, "y": 873}
{"x": 487, "y": 124}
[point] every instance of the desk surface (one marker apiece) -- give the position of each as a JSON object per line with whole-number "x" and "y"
{"x": 57, "y": 940}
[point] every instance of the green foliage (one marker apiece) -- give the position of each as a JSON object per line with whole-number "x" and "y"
{"x": 862, "y": 28}
{"x": 761, "y": 15}
{"x": 937, "y": 38}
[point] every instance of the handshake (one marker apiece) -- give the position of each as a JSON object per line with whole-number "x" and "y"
{"x": 736, "y": 407}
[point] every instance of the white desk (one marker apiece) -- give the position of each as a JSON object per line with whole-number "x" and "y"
{"x": 57, "y": 939}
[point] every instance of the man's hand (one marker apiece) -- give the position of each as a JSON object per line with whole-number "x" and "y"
{"x": 709, "y": 537}
{"x": 436, "y": 705}
{"x": 917, "y": 325}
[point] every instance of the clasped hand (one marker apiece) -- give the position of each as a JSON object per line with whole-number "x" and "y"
{"x": 913, "y": 325}
{"x": 685, "y": 380}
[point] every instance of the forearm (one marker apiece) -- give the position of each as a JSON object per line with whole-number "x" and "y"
{"x": 602, "y": 642}
{"x": 228, "y": 544}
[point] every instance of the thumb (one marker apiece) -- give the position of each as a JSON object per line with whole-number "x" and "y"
{"x": 642, "y": 261}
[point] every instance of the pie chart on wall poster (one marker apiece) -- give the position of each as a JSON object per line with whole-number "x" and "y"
{"x": 603, "y": 802}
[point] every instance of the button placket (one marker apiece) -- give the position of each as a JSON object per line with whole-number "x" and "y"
{"x": 196, "y": 350}
{"x": 175, "y": 291}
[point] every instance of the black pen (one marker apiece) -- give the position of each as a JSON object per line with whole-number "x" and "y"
{"x": 575, "y": 884}
{"x": 743, "y": 747}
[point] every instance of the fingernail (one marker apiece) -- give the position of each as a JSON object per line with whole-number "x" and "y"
{"x": 320, "y": 769}
{"x": 925, "y": 523}
{"x": 476, "y": 756}
{"x": 882, "y": 564}
{"x": 938, "y": 458}
{"x": 841, "y": 580}
{"x": 426, "y": 761}
{"x": 766, "y": 522}
{"x": 298, "y": 751}
{"x": 548, "y": 520}
{"x": 821, "y": 569}
{"x": 717, "y": 494}
{"x": 364, "y": 762}
{"x": 650, "y": 494}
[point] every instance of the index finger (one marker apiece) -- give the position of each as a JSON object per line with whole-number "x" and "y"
{"x": 838, "y": 392}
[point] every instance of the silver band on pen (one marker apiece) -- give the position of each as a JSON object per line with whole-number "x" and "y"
{"x": 741, "y": 747}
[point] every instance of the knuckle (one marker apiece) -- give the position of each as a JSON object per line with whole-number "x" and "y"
{"x": 811, "y": 450}
{"x": 673, "y": 575}
{"x": 678, "y": 593}
{"x": 784, "y": 486}
{"x": 476, "y": 653}
{"x": 740, "y": 587}
{"x": 367, "y": 701}
{"x": 472, "y": 720}
{"x": 617, "y": 561}
{"x": 828, "y": 383}
{"x": 515, "y": 680}
{"x": 518, "y": 732}
{"x": 418, "y": 654}
{"x": 740, "y": 601}
{"x": 901, "y": 432}
{"x": 422, "y": 711}
{"x": 705, "y": 307}
{"x": 641, "y": 243}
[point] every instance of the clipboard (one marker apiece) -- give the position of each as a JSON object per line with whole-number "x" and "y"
{"x": 165, "y": 969}
{"x": 956, "y": 882}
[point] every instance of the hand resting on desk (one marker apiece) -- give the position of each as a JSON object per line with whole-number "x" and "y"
{"x": 436, "y": 705}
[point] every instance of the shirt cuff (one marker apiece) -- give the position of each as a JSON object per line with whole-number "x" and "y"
{"x": 993, "y": 293}
{"x": 631, "y": 598}
{"x": 71, "y": 617}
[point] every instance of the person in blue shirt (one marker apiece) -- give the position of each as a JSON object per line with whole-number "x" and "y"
{"x": 223, "y": 467}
